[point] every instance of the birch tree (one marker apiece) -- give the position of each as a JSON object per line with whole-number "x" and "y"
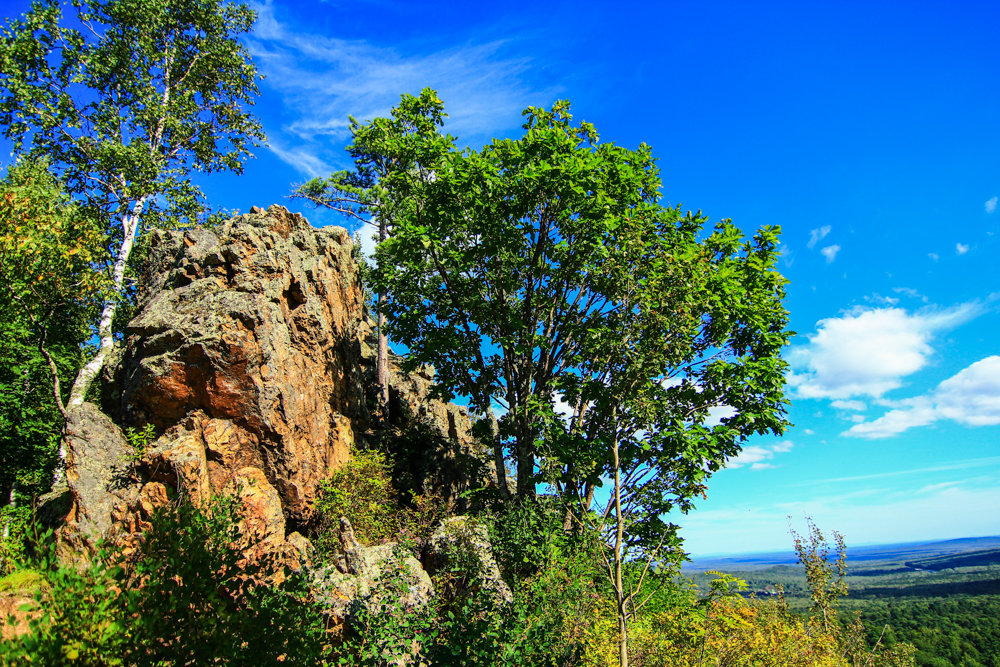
{"x": 127, "y": 99}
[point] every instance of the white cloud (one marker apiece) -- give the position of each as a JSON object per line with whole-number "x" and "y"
{"x": 961, "y": 248}
{"x": 756, "y": 456}
{"x": 830, "y": 252}
{"x": 880, "y": 300}
{"x": 910, "y": 292}
{"x": 786, "y": 254}
{"x": 953, "y": 465}
{"x": 783, "y": 446}
{"x": 849, "y": 405}
{"x": 990, "y": 205}
{"x": 867, "y": 352}
{"x": 970, "y": 397}
{"x": 817, "y": 235}
{"x": 717, "y": 413}
{"x": 934, "y": 256}
{"x": 304, "y": 160}
{"x": 367, "y": 236}
{"x": 324, "y": 79}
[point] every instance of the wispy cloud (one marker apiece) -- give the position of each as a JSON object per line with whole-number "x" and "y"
{"x": 830, "y": 252}
{"x": 867, "y": 352}
{"x": 910, "y": 292}
{"x": 961, "y": 248}
{"x": 953, "y": 465}
{"x": 756, "y": 456}
{"x": 322, "y": 80}
{"x": 817, "y": 235}
{"x": 970, "y": 397}
{"x": 991, "y": 204}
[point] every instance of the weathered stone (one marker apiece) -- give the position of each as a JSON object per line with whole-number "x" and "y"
{"x": 252, "y": 356}
{"x": 459, "y": 542}
{"x": 302, "y": 546}
{"x": 361, "y": 575}
{"x": 95, "y": 476}
{"x": 261, "y": 507}
{"x": 243, "y": 334}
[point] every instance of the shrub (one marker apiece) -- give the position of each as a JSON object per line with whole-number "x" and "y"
{"x": 186, "y": 596}
{"x": 362, "y": 490}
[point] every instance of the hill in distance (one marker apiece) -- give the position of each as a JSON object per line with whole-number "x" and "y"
{"x": 934, "y": 555}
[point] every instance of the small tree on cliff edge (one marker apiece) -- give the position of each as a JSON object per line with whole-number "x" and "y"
{"x": 394, "y": 159}
{"x": 124, "y": 107}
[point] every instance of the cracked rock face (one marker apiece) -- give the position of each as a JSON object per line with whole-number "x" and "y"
{"x": 244, "y": 356}
{"x": 251, "y": 355}
{"x": 241, "y": 354}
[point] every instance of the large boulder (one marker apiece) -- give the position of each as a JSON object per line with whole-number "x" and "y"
{"x": 358, "y": 578}
{"x": 97, "y": 487}
{"x": 252, "y": 357}
{"x": 241, "y": 355}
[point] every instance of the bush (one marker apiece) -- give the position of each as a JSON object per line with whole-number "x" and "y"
{"x": 15, "y": 524}
{"x": 186, "y": 596}
{"x": 362, "y": 490}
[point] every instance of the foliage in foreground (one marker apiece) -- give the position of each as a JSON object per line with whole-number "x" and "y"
{"x": 185, "y": 596}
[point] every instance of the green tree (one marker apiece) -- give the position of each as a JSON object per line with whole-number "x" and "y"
{"x": 542, "y": 272}
{"x": 394, "y": 159}
{"x": 126, "y": 100}
{"x": 543, "y": 275}
{"x": 49, "y": 293}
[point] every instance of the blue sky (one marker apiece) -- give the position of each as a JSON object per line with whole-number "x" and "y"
{"x": 869, "y": 131}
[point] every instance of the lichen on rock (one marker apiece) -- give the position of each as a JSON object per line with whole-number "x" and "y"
{"x": 251, "y": 355}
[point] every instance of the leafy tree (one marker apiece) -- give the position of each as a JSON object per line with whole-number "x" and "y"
{"x": 49, "y": 293}
{"x": 542, "y": 274}
{"x": 544, "y": 268}
{"x": 394, "y": 160}
{"x": 824, "y": 574}
{"x": 126, "y": 100}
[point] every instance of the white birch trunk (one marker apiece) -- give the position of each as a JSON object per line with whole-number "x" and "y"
{"x": 87, "y": 374}
{"x": 12, "y": 503}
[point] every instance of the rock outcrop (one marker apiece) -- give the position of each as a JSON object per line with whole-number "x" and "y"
{"x": 252, "y": 357}
{"x": 461, "y": 544}
{"x": 359, "y": 575}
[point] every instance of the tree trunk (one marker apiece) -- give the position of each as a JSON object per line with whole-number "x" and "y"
{"x": 620, "y": 597}
{"x": 12, "y": 503}
{"x": 501, "y": 469}
{"x": 525, "y": 466}
{"x": 87, "y": 374}
{"x": 382, "y": 359}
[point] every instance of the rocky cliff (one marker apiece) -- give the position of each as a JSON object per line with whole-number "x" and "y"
{"x": 250, "y": 361}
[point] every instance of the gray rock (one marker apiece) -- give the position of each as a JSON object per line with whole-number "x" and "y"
{"x": 460, "y": 542}
{"x": 99, "y": 487}
{"x": 363, "y": 576}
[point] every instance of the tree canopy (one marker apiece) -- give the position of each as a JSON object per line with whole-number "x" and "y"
{"x": 49, "y": 294}
{"x": 394, "y": 158}
{"x": 542, "y": 276}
